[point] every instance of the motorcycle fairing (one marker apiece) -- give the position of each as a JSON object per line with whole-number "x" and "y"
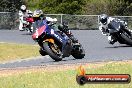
{"x": 114, "y": 26}
{"x": 39, "y": 32}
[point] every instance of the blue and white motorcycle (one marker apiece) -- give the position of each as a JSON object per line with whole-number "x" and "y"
{"x": 55, "y": 43}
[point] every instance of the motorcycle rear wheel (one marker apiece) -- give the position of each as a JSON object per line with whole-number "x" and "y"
{"x": 52, "y": 51}
{"x": 79, "y": 54}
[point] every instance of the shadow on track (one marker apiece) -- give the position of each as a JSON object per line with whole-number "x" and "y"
{"x": 119, "y": 46}
{"x": 26, "y": 34}
{"x": 59, "y": 62}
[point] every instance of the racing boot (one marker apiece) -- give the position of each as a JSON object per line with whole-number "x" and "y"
{"x": 111, "y": 40}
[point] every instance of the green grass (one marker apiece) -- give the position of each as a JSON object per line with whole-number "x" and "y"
{"x": 64, "y": 79}
{"x": 17, "y": 51}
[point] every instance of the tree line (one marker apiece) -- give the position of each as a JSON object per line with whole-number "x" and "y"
{"x": 89, "y": 7}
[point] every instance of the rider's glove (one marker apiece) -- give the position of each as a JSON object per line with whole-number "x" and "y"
{"x": 104, "y": 31}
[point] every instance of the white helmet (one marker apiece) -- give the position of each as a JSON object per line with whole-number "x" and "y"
{"x": 103, "y": 19}
{"x": 23, "y": 7}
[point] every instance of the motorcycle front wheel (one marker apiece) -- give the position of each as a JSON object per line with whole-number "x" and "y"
{"x": 42, "y": 52}
{"x": 127, "y": 38}
{"x": 53, "y": 51}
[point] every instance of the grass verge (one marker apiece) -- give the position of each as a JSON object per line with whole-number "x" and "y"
{"x": 47, "y": 77}
{"x": 10, "y": 51}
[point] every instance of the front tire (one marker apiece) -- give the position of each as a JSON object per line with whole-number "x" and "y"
{"x": 127, "y": 38}
{"x": 42, "y": 52}
{"x": 48, "y": 49}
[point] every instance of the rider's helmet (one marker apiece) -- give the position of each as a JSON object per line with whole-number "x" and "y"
{"x": 60, "y": 27}
{"x": 38, "y": 13}
{"x": 63, "y": 26}
{"x": 30, "y": 13}
{"x": 103, "y": 19}
{"x": 23, "y": 8}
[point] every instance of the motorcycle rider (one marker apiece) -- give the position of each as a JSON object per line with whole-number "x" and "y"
{"x": 64, "y": 28}
{"x": 23, "y": 14}
{"x": 104, "y": 20}
{"x": 38, "y": 18}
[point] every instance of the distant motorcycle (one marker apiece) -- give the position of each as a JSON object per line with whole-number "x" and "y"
{"x": 56, "y": 44}
{"x": 119, "y": 33}
{"x": 28, "y": 26}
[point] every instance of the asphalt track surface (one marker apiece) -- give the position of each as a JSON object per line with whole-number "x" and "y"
{"x": 95, "y": 44}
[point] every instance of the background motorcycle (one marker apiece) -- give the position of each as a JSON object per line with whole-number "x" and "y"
{"x": 120, "y": 33}
{"x": 28, "y": 25}
{"x": 56, "y": 44}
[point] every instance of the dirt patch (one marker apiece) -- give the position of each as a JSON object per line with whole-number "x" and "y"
{"x": 53, "y": 68}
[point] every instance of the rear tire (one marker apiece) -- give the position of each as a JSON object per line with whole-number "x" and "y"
{"x": 79, "y": 54}
{"x": 49, "y": 51}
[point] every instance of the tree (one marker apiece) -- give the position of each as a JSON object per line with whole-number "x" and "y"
{"x": 111, "y": 7}
{"x": 58, "y": 6}
{"x": 10, "y": 5}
